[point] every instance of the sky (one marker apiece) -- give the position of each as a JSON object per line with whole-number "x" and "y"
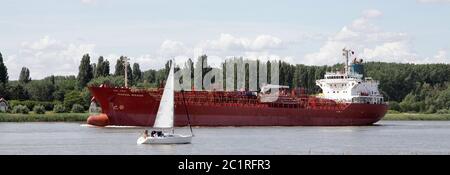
{"x": 50, "y": 36}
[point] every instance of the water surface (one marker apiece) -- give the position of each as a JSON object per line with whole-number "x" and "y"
{"x": 386, "y": 137}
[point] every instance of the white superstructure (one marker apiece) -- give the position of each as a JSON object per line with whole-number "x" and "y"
{"x": 350, "y": 85}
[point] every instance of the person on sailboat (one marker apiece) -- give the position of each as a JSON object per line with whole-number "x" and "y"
{"x": 145, "y": 133}
{"x": 160, "y": 133}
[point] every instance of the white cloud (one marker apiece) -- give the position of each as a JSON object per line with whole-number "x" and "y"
{"x": 88, "y": 1}
{"x": 148, "y": 61}
{"x": 390, "y": 52}
{"x": 441, "y": 56}
{"x": 228, "y": 42}
{"x": 226, "y": 46}
{"x": 372, "y": 13}
{"x": 46, "y": 57}
{"x": 265, "y": 56}
{"x": 218, "y": 50}
{"x": 171, "y": 48}
{"x": 362, "y": 35}
{"x": 433, "y": 1}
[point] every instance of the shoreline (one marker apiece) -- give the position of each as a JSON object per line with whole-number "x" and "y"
{"x": 82, "y": 117}
{"x": 47, "y": 117}
{"x": 417, "y": 116}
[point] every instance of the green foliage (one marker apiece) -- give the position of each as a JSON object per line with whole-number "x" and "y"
{"x": 39, "y": 109}
{"x": 40, "y": 90}
{"x": 398, "y": 80}
{"x": 137, "y": 73}
{"x": 86, "y": 96}
{"x": 145, "y": 85}
{"x": 149, "y": 76}
{"x": 113, "y": 81}
{"x": 77, "y": 108}
{"x": 58, "y": 95}
{"x": 63, "y": 85}
{"x": 85, "y": 72}
{"x": 48, "y": 117}
{"x": 426, "y": 98}
{"x": 4, "y": 93}
{"x": 3, "y": 72}
{"x": 18, "y": 92}
{"x": 393, "y": 112}
{"x": 24, "y": 76}
{"x": 409, "y": 116}
{"x": 443, "y": 99}
{"x": 120, "y": 70}
{"x": 71, "y": 98}
{"x": 30, "y": 104}
{"x": 59, "y": 108}
{"x": 20, "y": 109}
{"x": 102, "y": 69}
{"x": 393, "y": 105}
{"x": 443, "y": 111}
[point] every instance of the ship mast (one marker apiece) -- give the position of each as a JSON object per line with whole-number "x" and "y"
{"x": 346, "y": 53}
{"x": 125, "y": 63}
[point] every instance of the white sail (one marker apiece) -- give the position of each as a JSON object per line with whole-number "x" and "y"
{"x": 165, "y": 115}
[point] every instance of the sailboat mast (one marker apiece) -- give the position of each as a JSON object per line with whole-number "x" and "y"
{"x": 172, "y": 68}
{"x": 187, "y": 113}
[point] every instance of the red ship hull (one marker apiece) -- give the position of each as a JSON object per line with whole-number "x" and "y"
{"x": 122, "y": 106}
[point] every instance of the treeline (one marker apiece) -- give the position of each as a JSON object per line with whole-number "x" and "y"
{"x": 408, "y": 87}
{"x": 70, "y": 93}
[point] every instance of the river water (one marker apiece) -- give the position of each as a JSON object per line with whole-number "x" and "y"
{"x": 386, "y": 137}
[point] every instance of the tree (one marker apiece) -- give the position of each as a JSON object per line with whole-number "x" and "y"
{"x": 105, "y": 68}
{"x": 120, "y": 69}
{"x": 18, "y": 92}
{"x": 24, "y": 76}
{"x": 41, "y": 90}
{"x": 120, "y": 66}
{"x": 3, "y": 72}
{"x": 102, "y": 69}
{"x": 393, "y": 105}
{"x": 149, "y": 76}
{"x": 84, "y": 71}
{"x": 4, "y": 93}
{"x": 94, "y": 69}
{"x": 129, "y": 75}
{"x": 137, "y": 73}
{"x": 71, "y": 98}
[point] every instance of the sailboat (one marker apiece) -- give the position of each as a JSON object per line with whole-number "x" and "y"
{"x": 165, "y": 117}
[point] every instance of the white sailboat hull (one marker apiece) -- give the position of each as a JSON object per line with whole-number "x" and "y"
{"x": 165, "y": 116}
{"x": 166, "y": 139}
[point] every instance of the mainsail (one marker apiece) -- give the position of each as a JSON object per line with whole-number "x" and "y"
{"x": 165, "y": 115}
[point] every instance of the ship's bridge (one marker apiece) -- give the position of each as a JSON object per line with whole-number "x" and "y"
{"x": 350, "y": 85}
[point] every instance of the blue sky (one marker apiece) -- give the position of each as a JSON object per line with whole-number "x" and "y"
{"x": 49, "y": 36}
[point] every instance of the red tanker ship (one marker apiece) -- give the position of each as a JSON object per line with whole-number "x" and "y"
{"x": 347, "y": 99}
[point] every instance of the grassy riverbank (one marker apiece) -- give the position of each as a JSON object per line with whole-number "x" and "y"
{"x": 414, "y": 116}
{"x": 47, "y": 117}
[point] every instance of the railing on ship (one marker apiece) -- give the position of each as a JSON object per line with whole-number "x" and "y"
{"x": 205, "y": 98}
